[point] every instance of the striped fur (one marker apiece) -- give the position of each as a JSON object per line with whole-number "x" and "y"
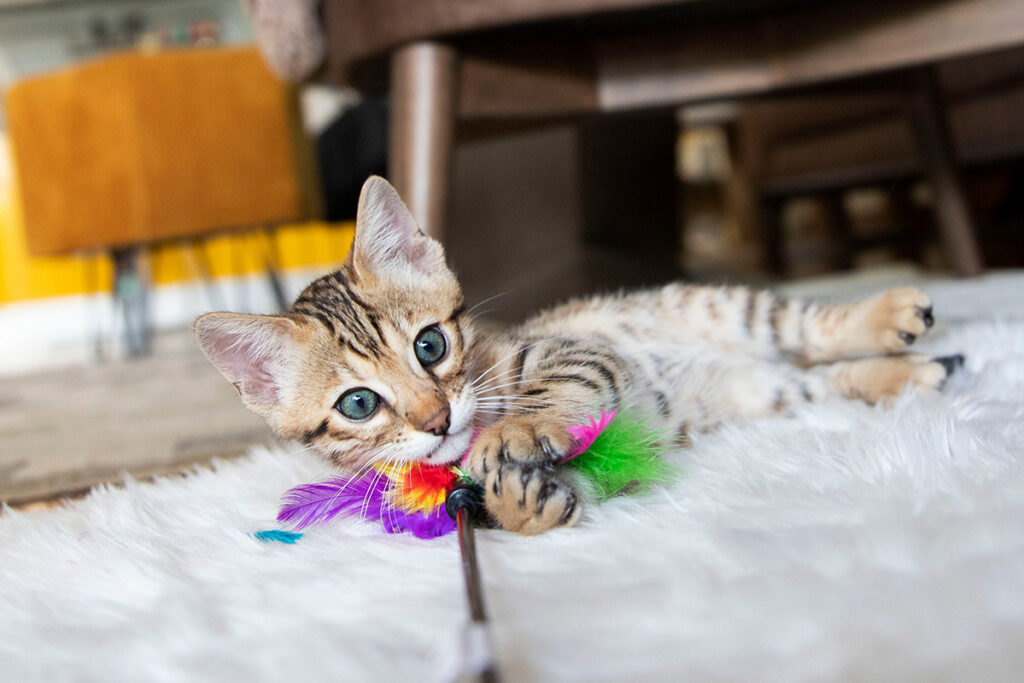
{"x": 688, "y": 357}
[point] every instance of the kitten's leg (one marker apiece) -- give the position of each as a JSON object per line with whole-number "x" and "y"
{"x": 761, "y": 323}
{"x": 881, "y": 379}
{"x": 888, "y": 322}
{"x": 712, "y": 389}
{"x": 547, "y": 386}
{"x": 725, "y": 389}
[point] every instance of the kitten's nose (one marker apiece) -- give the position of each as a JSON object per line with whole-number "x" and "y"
{"x": 439, "y": 422}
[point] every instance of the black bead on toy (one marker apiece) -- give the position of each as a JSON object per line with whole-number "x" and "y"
{"x": 468, "y": 497}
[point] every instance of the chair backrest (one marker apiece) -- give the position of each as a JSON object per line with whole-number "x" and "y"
{"x": 136, "y": 148}
{"x": 863, "y": 134}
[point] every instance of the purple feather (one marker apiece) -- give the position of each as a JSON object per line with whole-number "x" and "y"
{"x": 421, "y": 524}
{"x": 311, "y": 504}
{"x": 365, "y": 497}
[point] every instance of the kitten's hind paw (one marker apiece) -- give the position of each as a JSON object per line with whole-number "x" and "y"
{"x": 900, "y": 316}
{"x": 884, "y": 378}
{"x": 950, "y": 363}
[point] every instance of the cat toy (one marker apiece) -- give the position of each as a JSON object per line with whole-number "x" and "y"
{"x": 464, "y": 504}
{"x": 434, "y": 500}
{"x": 612, "y": 453}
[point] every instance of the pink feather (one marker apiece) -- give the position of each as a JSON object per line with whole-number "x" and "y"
{"x": 585, "y": 435}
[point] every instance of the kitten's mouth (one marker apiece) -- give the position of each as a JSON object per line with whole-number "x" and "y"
{"x": 451, "y": 449}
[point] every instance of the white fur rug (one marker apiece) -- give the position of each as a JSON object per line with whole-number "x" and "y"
{"x": 850, "y": 543}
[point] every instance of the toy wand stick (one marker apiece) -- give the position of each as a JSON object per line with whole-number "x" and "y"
{"x": 464, "y": 504}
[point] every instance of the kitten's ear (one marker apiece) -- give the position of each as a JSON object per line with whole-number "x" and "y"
{"x": 251, "y": 351}
{"x": 388, "y": 243}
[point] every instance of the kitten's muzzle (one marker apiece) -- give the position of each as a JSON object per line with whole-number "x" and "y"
{"x": 439, "y": 422}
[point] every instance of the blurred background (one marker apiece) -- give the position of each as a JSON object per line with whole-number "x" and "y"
{"x": 163, "y": 158}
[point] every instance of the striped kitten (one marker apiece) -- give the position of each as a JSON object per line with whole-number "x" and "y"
{"x": 380, "y": 362}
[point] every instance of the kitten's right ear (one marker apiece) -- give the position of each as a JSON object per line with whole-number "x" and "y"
{"x": 251, "y": 351}
{"x": 388, "y": 243}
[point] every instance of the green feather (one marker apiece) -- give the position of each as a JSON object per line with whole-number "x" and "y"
{"x": 626, "y": 455}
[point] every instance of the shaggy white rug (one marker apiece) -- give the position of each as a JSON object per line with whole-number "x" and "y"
{"x": 848, "y": 543}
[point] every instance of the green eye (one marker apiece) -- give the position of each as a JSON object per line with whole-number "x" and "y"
{"x": 358, "y": 404}
{"x": 430, "y": 346}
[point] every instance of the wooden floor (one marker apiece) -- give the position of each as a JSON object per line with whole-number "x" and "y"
{"x": 64, "y": 431}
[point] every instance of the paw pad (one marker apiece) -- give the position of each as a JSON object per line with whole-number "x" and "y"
{"x": 907, "y": 337}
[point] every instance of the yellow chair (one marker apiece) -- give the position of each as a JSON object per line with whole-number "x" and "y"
{"x": 137, "y": 149}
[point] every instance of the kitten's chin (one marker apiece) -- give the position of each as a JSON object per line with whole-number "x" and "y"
{"x": 451, "y": 450}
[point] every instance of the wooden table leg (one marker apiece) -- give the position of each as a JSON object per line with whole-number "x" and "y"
{"x": 952, "y": 214}
{"x": 769, "y": 215}
{"x": 841, "y": 246}
{"x": 423, "y": 88}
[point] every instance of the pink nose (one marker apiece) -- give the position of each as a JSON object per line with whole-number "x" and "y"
{"x": 439, "y": 422}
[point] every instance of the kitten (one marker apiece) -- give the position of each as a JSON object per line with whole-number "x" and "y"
{"x": 380, "y": 362}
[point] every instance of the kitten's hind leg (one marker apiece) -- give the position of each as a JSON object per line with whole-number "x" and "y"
{"x": 881, "y": 379}
{"x": 762, "y": 324}
{"x": 723, "y": 390}
{"x": 888, "y": 322}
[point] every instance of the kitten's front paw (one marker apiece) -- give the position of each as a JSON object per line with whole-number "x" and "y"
{"x": 515, "y": 460}
{"x": 521, "y": 439}
{"x": 530, "y": 498}
{"x": 900, "y": 316}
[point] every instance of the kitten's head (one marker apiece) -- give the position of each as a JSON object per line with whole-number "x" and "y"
{"x": 370, "y": 362}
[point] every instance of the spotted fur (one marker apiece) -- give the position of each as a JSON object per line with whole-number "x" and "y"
{"x": 688, "y": 357}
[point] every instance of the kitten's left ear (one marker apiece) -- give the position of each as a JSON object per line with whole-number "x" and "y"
{"x": 388, "y": 243}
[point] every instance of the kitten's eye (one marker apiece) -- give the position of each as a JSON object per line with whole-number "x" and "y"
{"x": 358, "y": 404}
{"x": 430, "y": 346}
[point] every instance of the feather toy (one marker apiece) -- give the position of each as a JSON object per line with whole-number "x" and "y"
{"x": 406, "y": 497}
{"x": 614, "y": 453}
{"x": 277, "y": 536}
{"x": 620, "y": 455}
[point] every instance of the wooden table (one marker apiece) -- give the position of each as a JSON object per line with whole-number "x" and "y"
{"x": 456, "y": 66}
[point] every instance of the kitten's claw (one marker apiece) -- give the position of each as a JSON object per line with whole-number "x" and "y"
{"x": 950, "y": 363}
{"x": 549, "y": 449}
